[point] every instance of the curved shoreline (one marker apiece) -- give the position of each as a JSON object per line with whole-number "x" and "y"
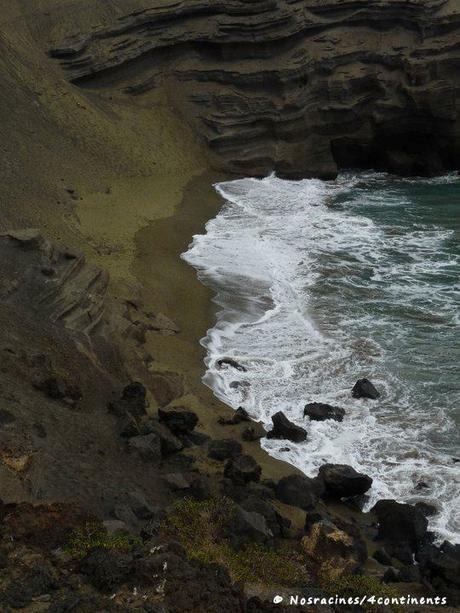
{"x": 210, "y": 255}
{"x": 170, "y": 285}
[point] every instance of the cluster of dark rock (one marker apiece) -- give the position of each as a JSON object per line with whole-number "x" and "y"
{"x": 404, "y": 530}
{"x": 407, "y": 547}
{"x": 283, "y": 428}
{"x": 155, "y": 574}
{"x": 153, "y": 438}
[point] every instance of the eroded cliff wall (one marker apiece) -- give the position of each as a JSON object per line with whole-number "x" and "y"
{"x": 301, "y": 87}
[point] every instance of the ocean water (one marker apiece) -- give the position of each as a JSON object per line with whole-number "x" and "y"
{"x": 321, "y": 283}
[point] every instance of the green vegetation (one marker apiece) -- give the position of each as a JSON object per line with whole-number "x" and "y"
{"x": 202, "y": 529}
{"x": 94, "y": 536}
{"x": 360, "y": 586}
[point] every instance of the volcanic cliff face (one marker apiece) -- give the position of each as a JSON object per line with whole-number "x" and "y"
{"x": 301, "y": 87}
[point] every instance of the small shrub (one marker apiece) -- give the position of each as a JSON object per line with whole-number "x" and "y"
{"x": 257, "y": 563}
{"x": 94, "y": 536}
{"x": 201, "y": 527}
{"x": 201, "y": 522}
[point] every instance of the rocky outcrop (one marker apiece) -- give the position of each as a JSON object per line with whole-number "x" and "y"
{"x": 242, "y": 469}
{"x": 399, "y": 522}
{"x": 55, "y": 282}
{"x": 301, "y": 87}
{"x": 343, "y": 481}
{"x": 318, "y": 411}
{"x": 178, "y": 419}
{"x": 80, "y": 566}
{"x": 283, "y": 428}
{"x": 364, "y": 388}
{"x": 299, "y": 491}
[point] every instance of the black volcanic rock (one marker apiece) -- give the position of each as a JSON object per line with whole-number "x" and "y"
{"x": 178, "y": 420}
{"x": 248, "y": 526}
{"x": 242, "y": 469}
{"x": 285, "y": 429}
{"x": 276, "y": 522}
{"x": 240, "y": 415}
{"x": 147, "y": 446}
{"x": 224, "y": 449}
{"x": 342, "y": 481}
{"x": 132, "y": 402}
{"x": 400, "y": 522}
{"x": 363, "y": 388}
{"x": 254, "y": 432}
{"x": 440, "y": 566}
{"x": 427, "y": 509}
{"x": 318, "y": 411}
{"x": 230, "y": 362}
{"x": 135, "y": 391}
{"x": 299, "y": 491}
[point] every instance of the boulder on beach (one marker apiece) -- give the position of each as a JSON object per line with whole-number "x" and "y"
{"x": 231, "y": 362}
{"x": 178, "y": 419}
{"x": 363, "y": 388}
{"x": 342, "y": 481}
{"x": 299, "y": 491}
{"x": 283, "y": 428}
{"x": 318, "y": 411}
{"x": 239, "y": 416}
{"x": 400, "y": 522}
{"x": 254, "y": 432}
{"x": 242, "y": 469}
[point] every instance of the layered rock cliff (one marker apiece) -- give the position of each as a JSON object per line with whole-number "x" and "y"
{"x": 302, "y": 87}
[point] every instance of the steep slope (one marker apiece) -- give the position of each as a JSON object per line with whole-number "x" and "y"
{"x": 75, "y": 164}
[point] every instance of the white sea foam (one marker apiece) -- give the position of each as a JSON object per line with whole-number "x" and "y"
{"x": 314, "y": 295}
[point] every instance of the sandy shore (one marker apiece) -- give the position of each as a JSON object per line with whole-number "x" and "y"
{"x": 170, "y": 286}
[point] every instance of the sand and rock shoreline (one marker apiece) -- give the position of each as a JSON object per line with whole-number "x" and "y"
{"x": 106, "y": 483}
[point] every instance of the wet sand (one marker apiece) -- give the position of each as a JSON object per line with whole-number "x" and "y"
{"x": 170, "y": 286}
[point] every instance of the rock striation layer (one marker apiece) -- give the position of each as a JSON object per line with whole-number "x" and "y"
{"x": 56, "y": 283}
{"x": 301, "y": 87}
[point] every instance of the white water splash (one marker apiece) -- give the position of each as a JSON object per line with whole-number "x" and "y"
{"x": 315, "y": 296}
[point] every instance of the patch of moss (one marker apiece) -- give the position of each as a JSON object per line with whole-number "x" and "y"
{"x": 358, "y": 586}
{"x": 94, "y": 536}
{"x": 201, "y": 527}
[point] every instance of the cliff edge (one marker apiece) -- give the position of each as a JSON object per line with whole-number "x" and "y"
{"x": 300, "y": 87}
